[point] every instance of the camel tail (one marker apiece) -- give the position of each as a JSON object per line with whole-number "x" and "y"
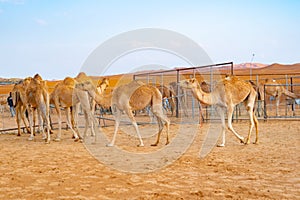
{"x": 290, "y": 94}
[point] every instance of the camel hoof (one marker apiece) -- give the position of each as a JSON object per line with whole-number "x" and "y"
{"x": 30, "y": 138}
{"x": 140, "y": 145}
{"x": 221, "y": 145}
{"x": 154, "y": 145}
{"x": 76, "y": 139}
{"x": 109, "y": 145}
{"x": 47, "y": 142}
{"x": 167, "y": 142}
{"x": 256, "y": 142}
{"x": 57, "y": 139}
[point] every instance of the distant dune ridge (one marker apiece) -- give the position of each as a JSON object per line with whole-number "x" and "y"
{"x": 242, "y": 69}
{"x": 259, "y": 68}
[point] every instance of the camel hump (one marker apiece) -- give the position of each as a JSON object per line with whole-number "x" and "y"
{"x": 69, "y": 81}
{"x": 81, "y": 76}
{"x": 38, "y": 77}
{"x": 124, "y": 92}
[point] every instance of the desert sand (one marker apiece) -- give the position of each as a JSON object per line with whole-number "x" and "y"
{"x": 67, "y": 170}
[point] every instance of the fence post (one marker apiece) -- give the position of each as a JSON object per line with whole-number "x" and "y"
{"x": 265, "y": 105}
{"x": 177, "y": 93}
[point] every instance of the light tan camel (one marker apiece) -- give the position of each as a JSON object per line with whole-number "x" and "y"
{"x": 37, "y": 97}
{"x": 65, "y": 95}
{"x": 273, "y": 88}
{"x": 136, "y": 96}
{"x": 131, "y": 97}
{"x": 62, "y": 97}
{"x": 227, "y": 93}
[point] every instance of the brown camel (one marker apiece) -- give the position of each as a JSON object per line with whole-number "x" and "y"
{"x": 19, "y": 94}
{"x": 181, "y": 96}
{"x": 273, "y": 88}
{"x": 131, "y": 97}
{"x": 101, "y": 87}
{"x": 167, "y": 94}
{"x": 37, "y": 97}
{"x": 226, "y": 95}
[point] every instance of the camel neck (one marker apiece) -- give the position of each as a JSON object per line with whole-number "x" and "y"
{"x": 101, "y": 99}
{"x": 202, "y": 96}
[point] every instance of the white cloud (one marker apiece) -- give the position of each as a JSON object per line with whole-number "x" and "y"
{"x": 41, "y": 22}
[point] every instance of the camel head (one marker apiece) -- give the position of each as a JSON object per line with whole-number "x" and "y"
{"x": 189, "y": 83}
{"x": 104, "y": 81}
{"x": 102, "y": 85}
{"x": 85, "y": 85}
{"x": 26, "y": 81}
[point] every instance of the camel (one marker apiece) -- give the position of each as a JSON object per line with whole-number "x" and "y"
{"x": 181, "y": 96}
{"x": 101, "y": 87}
{"x": 3, "y": 102}
{"x": 19, "y": 95}
{"x": 226, "y": 95}
{"x": 136, "y": 96}
{"x": 167, "y": 94}
{"x": 131, "y": 97}
{"x": 62, "y": 97}
{"x": 37, "y": 97}
{"x": 65, "y": 95}
{"x": 273, "y": 88}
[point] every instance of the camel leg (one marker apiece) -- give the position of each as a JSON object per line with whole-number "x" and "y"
{"x": 117, "y": 115}
{"x": 86, "y": 127}
{"x": 58, "y": 137}
{"x": 160, "y": 128}
{"x": 229, "y": 117}
{"x": 68, "y": 113}
{"x": 42, "y": 120}
{"x": 93, "y": 122}
{"x": 74, "y": 119}
{"x": 221, "y": 113}
{"x": 161, "y": 118}
{"x": 251, "y": 116}
{"x": 30, "y": 116}
{"x": 132, "y": 119}
{"x": 18, "y": 123}
{"x": 45, "y": 118}
{"x": 172, "y": 104}
{"x": 256, "y": 129}
{"x": 277, "y": 105}
{"x": 23, "y": 119}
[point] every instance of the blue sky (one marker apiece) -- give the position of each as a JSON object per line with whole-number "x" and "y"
{"x": 54, "y": 38}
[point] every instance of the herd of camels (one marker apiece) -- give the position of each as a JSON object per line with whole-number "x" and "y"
{"x": 31, "y": 98}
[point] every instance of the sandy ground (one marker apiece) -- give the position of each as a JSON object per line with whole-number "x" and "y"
{"x": 66, "y": 169}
